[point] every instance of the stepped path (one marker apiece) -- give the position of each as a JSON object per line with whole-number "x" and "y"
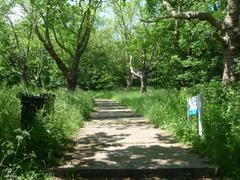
{"x": 117, "y": 142}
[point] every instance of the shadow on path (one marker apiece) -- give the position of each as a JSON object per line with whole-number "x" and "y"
{"x": 130, "y": 147}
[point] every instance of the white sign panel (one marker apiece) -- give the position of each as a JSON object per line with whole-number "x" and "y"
{"x": 195, "y": 109}
{"x": 192, "y": 106}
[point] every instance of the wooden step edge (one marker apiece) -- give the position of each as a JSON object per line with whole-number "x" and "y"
{"x": 201, "y": 172}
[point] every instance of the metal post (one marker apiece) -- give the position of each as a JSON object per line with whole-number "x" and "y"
{"x": 200, "y": 124}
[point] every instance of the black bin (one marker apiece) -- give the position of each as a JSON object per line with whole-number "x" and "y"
{"x": 32, "y": 104}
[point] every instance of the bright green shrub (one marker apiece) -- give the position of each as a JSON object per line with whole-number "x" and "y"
{"x": 23, "y": 153}
{"x": 9, "y": 113}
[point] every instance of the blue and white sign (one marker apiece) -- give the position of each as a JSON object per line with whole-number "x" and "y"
{"x": 194, "y": 105}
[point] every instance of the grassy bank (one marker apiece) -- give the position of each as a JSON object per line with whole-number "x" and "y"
{"x": 221, "y": 120}
{"x": 25, "y": 154}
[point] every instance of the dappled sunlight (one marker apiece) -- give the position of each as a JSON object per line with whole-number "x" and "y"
{"x": 129, "y": 144}
{"x": 135, "y": 156}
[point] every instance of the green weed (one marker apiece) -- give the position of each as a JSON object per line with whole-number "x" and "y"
{"x": 28, "y": 154}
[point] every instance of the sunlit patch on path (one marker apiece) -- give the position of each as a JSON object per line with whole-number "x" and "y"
{"x": 116, "y": 142}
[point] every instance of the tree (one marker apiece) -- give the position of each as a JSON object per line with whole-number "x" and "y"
{"x": 22, "y": 58}
{"x": 227, "y": 31}
{"x": 148, "y": 49}
{"x": 17, "y": 40}
{"x": 125, "y": 20}
{"x": 102, "y": 66}
{"x": 64, "y": 29}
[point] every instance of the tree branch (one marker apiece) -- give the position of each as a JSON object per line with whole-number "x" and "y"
{"x": 188, "y": 15}
{"x": 219, "y": 38}
{"x": 82, "y": 41}
{"x": 49, "y": 48}
{"x": 69, "y": 29}
{"x": 19, "y": 46}
{"x": 137, "y": 74}
{"x": 59, "y": 43}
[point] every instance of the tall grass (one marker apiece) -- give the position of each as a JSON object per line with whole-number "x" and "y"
{"x": 23, "y": 153}
{"x": 221, "y": 120}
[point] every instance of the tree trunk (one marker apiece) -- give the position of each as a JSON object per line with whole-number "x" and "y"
{"x": 24, "y": 75}
{"x": 143, "y": 84}
{"x": 232, "y": 39}
{"x": 72, "y": 81}
{"x": 230, "y": 27}
{"x": 229, "y": 62}
{"x": 129, "y": 80}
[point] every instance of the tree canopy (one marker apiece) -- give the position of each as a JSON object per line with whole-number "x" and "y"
{"x": 84, "y": 43}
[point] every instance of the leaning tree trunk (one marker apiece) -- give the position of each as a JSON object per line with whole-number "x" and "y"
{"x": 143, "y": 79}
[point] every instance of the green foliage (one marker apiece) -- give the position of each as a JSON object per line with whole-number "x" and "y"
{"x": 167, "y": 109}
{"x": 100, "y": 69}
{"x": 179, "y": 57}
{"x": 221, "y": 107}
{"x": 23, "y": 152}
{"x": 22, "y": 58}
{"x": 9, "y": 113}
{"x": 180, "y": 53}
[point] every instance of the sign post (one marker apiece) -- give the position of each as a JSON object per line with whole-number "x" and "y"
{"x": 195, "y": 109}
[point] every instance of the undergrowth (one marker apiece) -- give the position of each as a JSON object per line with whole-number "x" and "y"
{"x": 167, "y": 109}
{"x": 29, "y": 154}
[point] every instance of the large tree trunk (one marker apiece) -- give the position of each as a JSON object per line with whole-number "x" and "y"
{"x": 229, "y": 61}
{"x": 143, "y": 83}
{"x": 232, "y": 41}
{"x": 72, "y": 81}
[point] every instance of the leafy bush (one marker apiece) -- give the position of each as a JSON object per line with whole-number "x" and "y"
{"x": 22, "y": 152}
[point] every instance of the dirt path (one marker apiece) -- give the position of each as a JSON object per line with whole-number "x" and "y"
{"x": 118, "y": 143}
